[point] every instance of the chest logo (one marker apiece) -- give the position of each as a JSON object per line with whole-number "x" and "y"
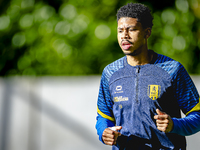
{"x": 154, "y": 91}
{"x": 118, "y": 89}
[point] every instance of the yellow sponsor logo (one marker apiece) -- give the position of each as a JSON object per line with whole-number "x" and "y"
{"x": 120, "y": 99}
{"x": 154, "y": 91}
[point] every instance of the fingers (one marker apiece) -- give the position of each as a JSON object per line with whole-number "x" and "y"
{"x": 162, "y": 128}
{"x": 110, "y": 136}
{"x": 165, "y": 127}
{"x": 163, "y": 121}
{"x": 109, "y": 139}
{"x": 161, "y": 117}
{"x": 162, "y": 124}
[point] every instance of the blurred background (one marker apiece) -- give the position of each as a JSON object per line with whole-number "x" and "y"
{"x": 52, "y": 53}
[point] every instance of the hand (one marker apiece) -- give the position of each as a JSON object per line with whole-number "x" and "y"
{"x": 110, "y": 136}
{"x": 163, "y": 121}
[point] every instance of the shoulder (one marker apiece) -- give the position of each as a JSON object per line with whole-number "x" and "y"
{"x": 171, "y": 66}
{"x": 167, "y": 62}
{"x": 113, "y": 67}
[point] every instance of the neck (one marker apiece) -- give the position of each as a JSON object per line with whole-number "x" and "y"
{"x": 141, "y": 59}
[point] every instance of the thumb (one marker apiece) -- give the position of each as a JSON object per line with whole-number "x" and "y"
{"x": 159, "y": 112}
{"x": 116, "y": 128}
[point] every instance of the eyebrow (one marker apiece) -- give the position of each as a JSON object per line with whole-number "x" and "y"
{"x": 126, "y": 27}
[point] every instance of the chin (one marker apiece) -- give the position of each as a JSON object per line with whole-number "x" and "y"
{"x": 126, "y": 52}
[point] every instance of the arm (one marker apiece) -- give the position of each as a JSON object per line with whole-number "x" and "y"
{"x": 101, "y": 125}
{"x": 105, "y": 116}
{"x": 188, "y": 100}
{"x": 188, "y": 125}
{"x": 183, "y": 126}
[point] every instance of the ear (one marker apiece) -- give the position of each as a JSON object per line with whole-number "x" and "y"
{"x": 147, "y": 32}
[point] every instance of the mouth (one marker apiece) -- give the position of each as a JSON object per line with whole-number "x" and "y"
{"x": 126, "y": 45}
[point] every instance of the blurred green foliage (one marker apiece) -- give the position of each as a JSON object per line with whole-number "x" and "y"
{"x": 77, "y": 37}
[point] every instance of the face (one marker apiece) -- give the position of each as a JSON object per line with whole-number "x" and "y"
{"x": 132, "y": 38}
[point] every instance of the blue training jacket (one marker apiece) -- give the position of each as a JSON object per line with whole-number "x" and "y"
{"x": 129, "y": 96}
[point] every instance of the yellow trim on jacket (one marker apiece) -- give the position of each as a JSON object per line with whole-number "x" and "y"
{"x": 195, "y": 108}
{"x": 104, "y": 115}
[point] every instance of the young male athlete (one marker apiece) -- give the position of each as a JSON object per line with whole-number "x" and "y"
{"x": 141, "y": 94}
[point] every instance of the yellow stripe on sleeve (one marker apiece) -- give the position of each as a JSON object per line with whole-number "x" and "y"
{"x": 196, "y": 108}
{"x": 104, "y": 115}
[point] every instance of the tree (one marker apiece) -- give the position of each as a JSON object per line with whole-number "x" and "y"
{"x": 78, "y": 37}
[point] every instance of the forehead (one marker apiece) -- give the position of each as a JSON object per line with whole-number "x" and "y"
{"x": 128, "y": 21}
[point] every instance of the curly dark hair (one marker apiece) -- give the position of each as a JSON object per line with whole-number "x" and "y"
{"x": 139, "y": 11}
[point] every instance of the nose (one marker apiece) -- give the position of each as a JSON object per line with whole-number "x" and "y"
{"x": 125, "y": 35}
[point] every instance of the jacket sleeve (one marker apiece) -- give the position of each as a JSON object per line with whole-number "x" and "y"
{"x": 105, "y": 116}
{"x": 188, "y": 100}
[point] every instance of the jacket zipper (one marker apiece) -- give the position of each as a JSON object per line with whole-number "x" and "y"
{"x": 137, "y": 78}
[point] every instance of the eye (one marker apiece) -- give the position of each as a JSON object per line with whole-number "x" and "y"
{"x": 132, "y": 29}
{"x": 120, "y": 31}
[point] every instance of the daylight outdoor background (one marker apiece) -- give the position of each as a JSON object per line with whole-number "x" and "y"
{"x": 52, "y": 53}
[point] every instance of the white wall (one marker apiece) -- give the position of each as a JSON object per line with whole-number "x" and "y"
{"x": 54, "y": 113}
